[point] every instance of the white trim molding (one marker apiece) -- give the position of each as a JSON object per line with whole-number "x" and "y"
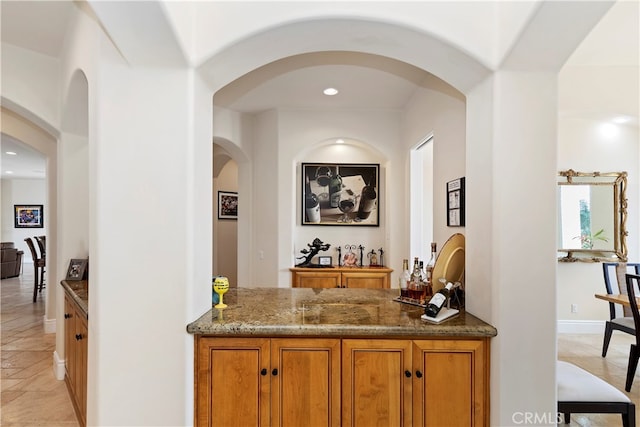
{"x": 58, "y": 366}
{"x": 49, "y": 326}
{"x": 581, "y": 326}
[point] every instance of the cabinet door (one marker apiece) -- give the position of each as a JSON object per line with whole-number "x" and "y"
{"x": 320, "y": 279}
{"x": 232, "y": 381}
{"x": 82, "y": 342}
{"x": 305, "y": 389}
{"x": 452, "y": 388}
{"x": 376, "y": 383}
{"x": 70, "y": 342}
{"x": 370, "y": 280}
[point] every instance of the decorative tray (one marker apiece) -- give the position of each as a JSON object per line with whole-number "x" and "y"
{"x": 411, "y": 301}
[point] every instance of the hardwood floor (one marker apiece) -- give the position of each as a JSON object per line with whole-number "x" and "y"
{"x": 584, "y": 350}
{"x": 31, "y": 395}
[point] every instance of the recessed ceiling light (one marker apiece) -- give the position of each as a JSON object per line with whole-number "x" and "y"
{"x": 11, "y": 153}
{"x": 339, "y": 141}
{"x": 9, "y": 172}
{"x": 330, "y": 91}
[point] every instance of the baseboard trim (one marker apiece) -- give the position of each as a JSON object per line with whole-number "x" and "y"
{"x": 58, "y": 366}
{"x": 49, "y": 326}
{"x": 581, "y": 326}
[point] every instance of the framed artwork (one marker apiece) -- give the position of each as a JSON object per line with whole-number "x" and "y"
{"x": 77, "y": 269}
{"x": 325, "y": 261}
{"x": 227, "y": 205}
{"x": 340, "y": 194}
{"x": 455, "y": 203}
{"x": 28, "y": 216}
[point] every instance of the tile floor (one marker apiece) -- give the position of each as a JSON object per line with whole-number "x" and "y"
{"x": 31, "y": 396}
{"x": 30, "y": 393}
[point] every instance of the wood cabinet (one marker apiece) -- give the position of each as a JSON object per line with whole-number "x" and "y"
{"x": 76, "y": 343}
{"x": 341, "y": 382}
{"x": 341, "y": 277}
{"x": 263, "y": 382}
{"x": 415, "y": 382}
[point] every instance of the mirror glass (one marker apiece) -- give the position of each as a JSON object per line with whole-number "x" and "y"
{"x": 592, "y": 209}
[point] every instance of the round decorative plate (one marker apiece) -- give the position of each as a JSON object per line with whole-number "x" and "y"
{"x": 450, "y": 262}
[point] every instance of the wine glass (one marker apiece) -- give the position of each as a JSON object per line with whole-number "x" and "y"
{"x": 323, "y": 178}
{"x": 221, "y": 286}
{"x": 346, "y": 205}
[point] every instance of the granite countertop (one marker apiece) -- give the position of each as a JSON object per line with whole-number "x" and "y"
{"x": 328, "y": 312}
{"x": 78, "y": 290}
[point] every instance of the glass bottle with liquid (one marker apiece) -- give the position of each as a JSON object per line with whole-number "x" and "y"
{"x": 437, "y": 301}
{"x": 429, "y": 270}
{"x": 367, "y": 202}
{"x": 405, "y": 279}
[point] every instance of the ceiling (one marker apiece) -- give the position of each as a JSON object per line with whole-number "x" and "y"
{"x": 364, "y": 81}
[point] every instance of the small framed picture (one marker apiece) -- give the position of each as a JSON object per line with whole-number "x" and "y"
{"x": 325, "y": 260}
{"x": 455, "y": 203}
{"x": 77, "y": 269}
{"x": 227, "y": 205}
{"x": 28, "y": 216}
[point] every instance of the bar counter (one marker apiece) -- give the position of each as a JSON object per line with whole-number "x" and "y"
{"x": 333, "y": 312}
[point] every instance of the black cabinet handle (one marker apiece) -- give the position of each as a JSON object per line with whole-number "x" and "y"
{"x": 418, "y": 374}
{"x": 78, "y": 337}
{"x": 407, "y": 374}
{"x": 67, "y": 316}
{"x": 274, "y": 372}
{"x": 263, "y": 372}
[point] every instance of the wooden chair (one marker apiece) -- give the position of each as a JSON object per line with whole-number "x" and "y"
{"x": 38, "y": 269}
{"x": 633, "y": 280}
{"x": 42, "y": 245}
{"x": 619, "y": 323}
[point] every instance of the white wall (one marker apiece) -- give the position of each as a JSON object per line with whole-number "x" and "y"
{"x": 22, "y": 192}
{"x": 225, "y": 231}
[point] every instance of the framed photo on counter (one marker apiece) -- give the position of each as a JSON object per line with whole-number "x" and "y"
{"x": 77, "y": 269}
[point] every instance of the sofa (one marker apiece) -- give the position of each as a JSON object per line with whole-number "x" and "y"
{"x": 10, "y": 259}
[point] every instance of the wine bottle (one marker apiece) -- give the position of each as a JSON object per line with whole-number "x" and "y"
{"x": 431, "y": 263}
{"x": 311, "y": 204}
{"x": 405, "y": 278}
{"x": 367, "y": 201}
{"x": 335, "y": 187}
{"x": 436, "y": 302}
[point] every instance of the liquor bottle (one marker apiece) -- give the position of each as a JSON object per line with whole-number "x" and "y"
{"x": 415, "y": 274}
{"x": 367, "y": 201}
{"x": 311, "y": 204}
{"x": 438, "y": 300}
{"x": 405, "y": 278}
{"x": 431, "y": 264}
{"x": 335, "y": 187}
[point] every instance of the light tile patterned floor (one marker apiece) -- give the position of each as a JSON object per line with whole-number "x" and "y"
{"x": 31, "y": 395}
{"x": 585, "y": 350}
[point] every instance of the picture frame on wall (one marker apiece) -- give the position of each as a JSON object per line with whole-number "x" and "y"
{"x": 340, "y": 194}
{"x": 455, "y": 203}
{"x": 77, "y": 269}
{"x": 227, "y": 205}
{"x": 28, "y": 216}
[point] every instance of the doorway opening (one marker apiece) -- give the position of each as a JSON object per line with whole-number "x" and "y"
{"x": 421, "y": 198}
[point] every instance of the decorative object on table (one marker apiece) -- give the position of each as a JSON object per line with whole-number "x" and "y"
{"x": 77, "y": 269}
{"x": 350, "y": 259}
{"x": 450, "y": 263}
{"x": 227, "y": 205}
{"x": 312, "y": 251}
{"x": 348, "y": 193}
{"x": 220, "y": 287}
{"x": 373, "y": 259}
{"x": 339, "y": 249}
{"x": 28, "y": 216}
{"x": 381, "y": 252}
{"x": 455, "y": 203}
{"x": 361, "y": 248}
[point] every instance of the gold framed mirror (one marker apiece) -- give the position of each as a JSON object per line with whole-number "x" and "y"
{"x": 592, "y": 216}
